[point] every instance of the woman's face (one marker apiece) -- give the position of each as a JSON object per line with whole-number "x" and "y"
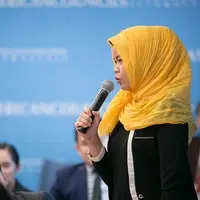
{"x": 8, "y": 166}
{"x": 119, "y": 69}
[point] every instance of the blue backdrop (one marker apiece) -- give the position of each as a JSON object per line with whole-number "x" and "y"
{"x": 53, "y": 58}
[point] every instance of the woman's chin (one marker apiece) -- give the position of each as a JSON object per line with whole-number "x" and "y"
{"x": 125, "y": 87}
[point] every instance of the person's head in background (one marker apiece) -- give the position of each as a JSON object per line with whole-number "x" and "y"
{"x": 10, "y": 164}
{"x": 82, "y": 148}
{"x": 198, "y": 116}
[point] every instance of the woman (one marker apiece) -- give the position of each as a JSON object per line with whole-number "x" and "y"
{"x": 10, "y": 165}
{"x": 5, "y": 194}
{"x": 148, "y": 121}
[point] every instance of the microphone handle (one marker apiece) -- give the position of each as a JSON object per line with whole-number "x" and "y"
{"x": 96, "y": 105}
{"x": 82, "y": 129}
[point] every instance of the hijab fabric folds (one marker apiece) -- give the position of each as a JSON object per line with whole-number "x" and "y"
{"x": 159, "y": 70}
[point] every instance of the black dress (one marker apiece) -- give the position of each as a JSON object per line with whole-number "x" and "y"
{"x": 148, "y": 164}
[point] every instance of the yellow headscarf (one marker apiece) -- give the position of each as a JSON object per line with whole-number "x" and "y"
{"x": 158, "y": 68}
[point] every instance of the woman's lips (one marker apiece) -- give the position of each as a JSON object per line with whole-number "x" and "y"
{"x": 117, "y": 79}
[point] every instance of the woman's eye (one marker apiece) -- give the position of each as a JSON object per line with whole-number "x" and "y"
{"x": 120, "y": 60}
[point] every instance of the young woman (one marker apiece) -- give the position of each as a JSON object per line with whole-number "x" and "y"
{"x": 148, "y": 122}
{"x": 10, "y": 165}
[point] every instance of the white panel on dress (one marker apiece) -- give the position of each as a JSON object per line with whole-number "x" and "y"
{"x": 130, "y": 164}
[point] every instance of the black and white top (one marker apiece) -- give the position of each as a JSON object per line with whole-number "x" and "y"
{"x": 147, "y": 164}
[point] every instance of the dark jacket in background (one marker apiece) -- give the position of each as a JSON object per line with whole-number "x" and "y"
{"x": 31, "y": 196}
{"x": 20, "y": 188}
{"x": 6, "y": 195}
{"x": 71, "y": 183}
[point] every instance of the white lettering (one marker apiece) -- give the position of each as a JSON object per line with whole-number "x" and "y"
{"x": 11, "y": 108}
{"x": 96, "y": 3}
{"x": 194, "y": 54}
{"x": 33, "y": 54}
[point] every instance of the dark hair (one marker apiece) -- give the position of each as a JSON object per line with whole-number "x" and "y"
{"x": 12, "y": 150}
{"x": 110, "y": 43}
{"x": 197, "y": 111}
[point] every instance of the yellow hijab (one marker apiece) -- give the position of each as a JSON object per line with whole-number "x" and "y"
{"x": 158, "y": 68}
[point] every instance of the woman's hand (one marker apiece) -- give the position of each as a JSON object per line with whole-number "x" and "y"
{"x": 85, "y": 121}
{"x": 91, "y": 135}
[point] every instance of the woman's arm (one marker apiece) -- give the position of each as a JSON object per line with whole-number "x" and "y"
{"x": 96, "y": 151}
{"x": 104, "y": 169}
{"x": 102, "y": 162}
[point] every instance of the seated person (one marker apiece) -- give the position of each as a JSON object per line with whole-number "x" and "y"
{"x": 5, "y": 194}
{"x": 79, "y": 181}
{"x": 10, "y": 165}
{"x": 198, "y": 120}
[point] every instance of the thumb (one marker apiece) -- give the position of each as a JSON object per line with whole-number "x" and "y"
{"x": 96, "y": 116}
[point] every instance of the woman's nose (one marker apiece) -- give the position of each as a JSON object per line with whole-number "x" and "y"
{"x": 116, "y": 69}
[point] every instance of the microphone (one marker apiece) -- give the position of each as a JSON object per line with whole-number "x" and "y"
{"x": 106, "y": 87}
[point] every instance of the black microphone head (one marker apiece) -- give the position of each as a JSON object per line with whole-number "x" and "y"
{"x": 107, "y": 85}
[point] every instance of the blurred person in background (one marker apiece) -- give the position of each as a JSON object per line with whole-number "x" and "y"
{"x": 79, "y": 181}
{"x": 10, "y": 165}
{"x": 198, "y": 119}
{"x": 194, "y": 152}
{"x": 5, "y": 194}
